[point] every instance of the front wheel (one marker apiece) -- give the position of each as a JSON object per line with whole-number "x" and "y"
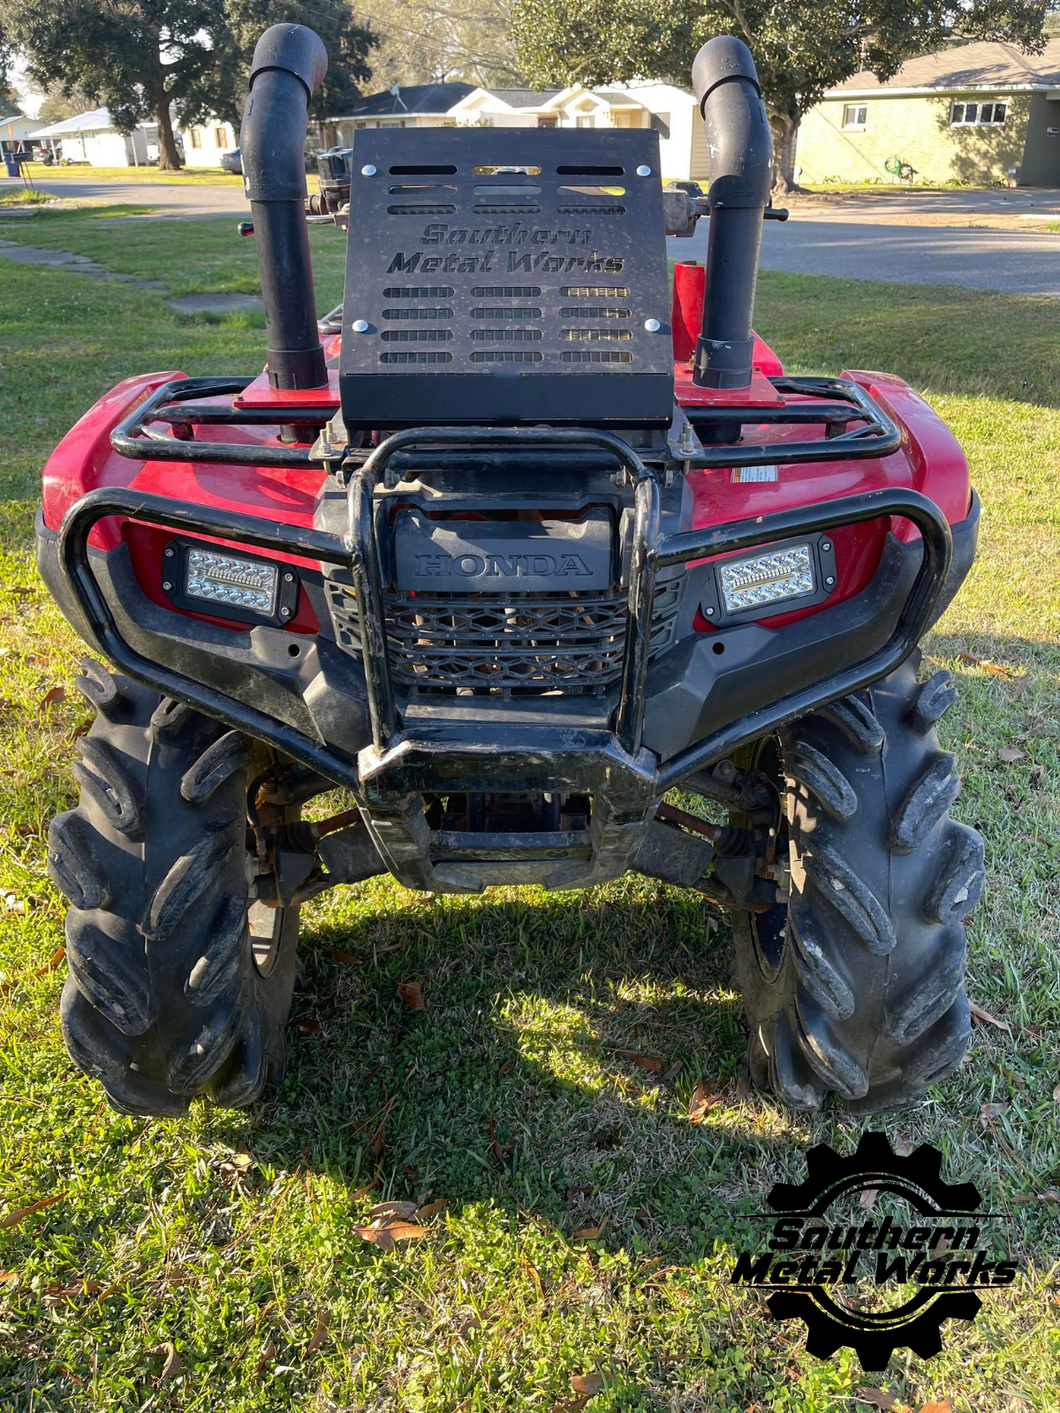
{"x": 854, "y": 985}
{"x": 179, "y": 986}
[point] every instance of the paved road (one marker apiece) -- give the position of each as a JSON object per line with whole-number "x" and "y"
{"x": 170, "y": 198}
{"x": 852, "y": 237}
{"x": 999, "y": 260}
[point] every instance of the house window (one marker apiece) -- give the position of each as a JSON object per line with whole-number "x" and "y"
{"x": 584, "y": 122}
{"x": 220, "y": 137}
{"x": 661, "y": 124}
{"x": 855, "y": 115}
{"x": 978, "y": 115}
{"x": 195, "y": 137}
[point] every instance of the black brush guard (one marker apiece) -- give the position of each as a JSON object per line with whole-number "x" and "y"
{"x": 626, "y": 780}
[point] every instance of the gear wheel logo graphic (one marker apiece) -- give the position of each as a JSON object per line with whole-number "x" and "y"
{"x": 831, "y": 1324}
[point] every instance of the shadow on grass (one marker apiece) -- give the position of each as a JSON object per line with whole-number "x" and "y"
{"x": 511, "y": 1088}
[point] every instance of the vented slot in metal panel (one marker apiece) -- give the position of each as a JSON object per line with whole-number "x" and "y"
{"x": 506, "y": 291}
{"x": 411, "y": 170}
{"x": 418, "y": 357}
{"x": 507, "y": 335}
{"x": 430, "y": 312}
{"x": 416, "y": 335}
{"x": 593, "y": 355}
{"x": 598, "y": 311}
{"x": 500, "y": 312}
{"x": 418, "y": 292}
{"x": 596, "y": 335}
{"x": 555, "y": 245}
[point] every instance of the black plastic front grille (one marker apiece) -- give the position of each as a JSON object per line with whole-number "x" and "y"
{"x": 506, "y": 644}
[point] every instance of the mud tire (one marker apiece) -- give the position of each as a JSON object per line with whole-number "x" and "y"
{"x": 168, "y": 996}
{"x": 856, "y": 986}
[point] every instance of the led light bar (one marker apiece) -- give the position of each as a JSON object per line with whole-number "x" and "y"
{"x": 227, "y": 579}
{"x": 201, "y": 578}
{"x": 767, "y": 578}
{"x": 743, "y": 589}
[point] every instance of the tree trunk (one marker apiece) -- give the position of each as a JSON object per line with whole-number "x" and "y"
{"x": 785, "y": 135}
{"x": 169, "y": 159}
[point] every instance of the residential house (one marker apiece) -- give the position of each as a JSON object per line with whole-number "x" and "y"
{"x": 976, "y": 113}
{"x": 424, "y": 105}
{"x": 15, "y": 132}
{"x": 670, "y": 111}
{"x": 92, "y": 137}
{"x": 205, "y": 142}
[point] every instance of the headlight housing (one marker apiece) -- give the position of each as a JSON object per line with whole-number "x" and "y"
{"x": 795, "y": 573}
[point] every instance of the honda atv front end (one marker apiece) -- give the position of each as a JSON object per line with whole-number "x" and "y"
{"x": 549, "y": 544}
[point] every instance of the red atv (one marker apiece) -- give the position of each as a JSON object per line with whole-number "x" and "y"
{"x": 510, "y": 548}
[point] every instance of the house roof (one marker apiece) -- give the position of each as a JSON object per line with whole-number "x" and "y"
{"x": 968, "y": 66}
{"x": 523, "y": 97}
{"x": 429, "y": 99}
{"x": 95, "y": 120}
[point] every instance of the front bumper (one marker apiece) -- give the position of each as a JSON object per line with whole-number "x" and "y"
{"x": 698, "y": 706}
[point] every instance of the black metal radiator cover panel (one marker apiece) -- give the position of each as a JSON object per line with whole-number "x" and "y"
{"x": 478, "y": 295}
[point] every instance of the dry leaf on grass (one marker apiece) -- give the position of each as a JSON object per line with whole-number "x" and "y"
{"x": 410, "y": 993}
{"x": 51, "y": 698}
{"x": 996, "y": 669}
{"x": 268, "y": 1353}
{"x": 943, "y": 1407}
{"x": 985, "y": 1018}
{"x": 875, "y": 1397}
{"x": 587, "y": 1385}
{"x": 319, "y": 1333}
{"x": 403, "y": 1210}
{"x": 1056, "y": 1094}
{"x": 347, "y": 958}
{"x": 172, "y": 1363}
{"x": 1010, "y": 754}
{"x": 309, "y": 1025}
{"x": 1051, "y": 1194}
{"x": 743, "y": 1090}
{"x": 55, "y": 1293}
{"x": 13, "y": 902}
{"x": 652, "y": 1063}
{"x": 590, "y": 1233}
{"x": 431, "y": 1209}
{"x": 868, "y": 1197}
{"x": 21, "y": 1213}
{"x": 385, "y": 1234}
{"x": 990, "y": 1111}
{"x": 703, "y": 1099}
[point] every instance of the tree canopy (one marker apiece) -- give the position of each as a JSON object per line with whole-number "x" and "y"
{"x": 142, "y": 58}
{"x": 433, "y": 41}
{"x": 801, "y": 49}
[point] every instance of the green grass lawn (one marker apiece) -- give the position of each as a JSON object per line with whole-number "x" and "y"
{"x": 187, "y": 176}
{"x": 230, "y": 1237}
